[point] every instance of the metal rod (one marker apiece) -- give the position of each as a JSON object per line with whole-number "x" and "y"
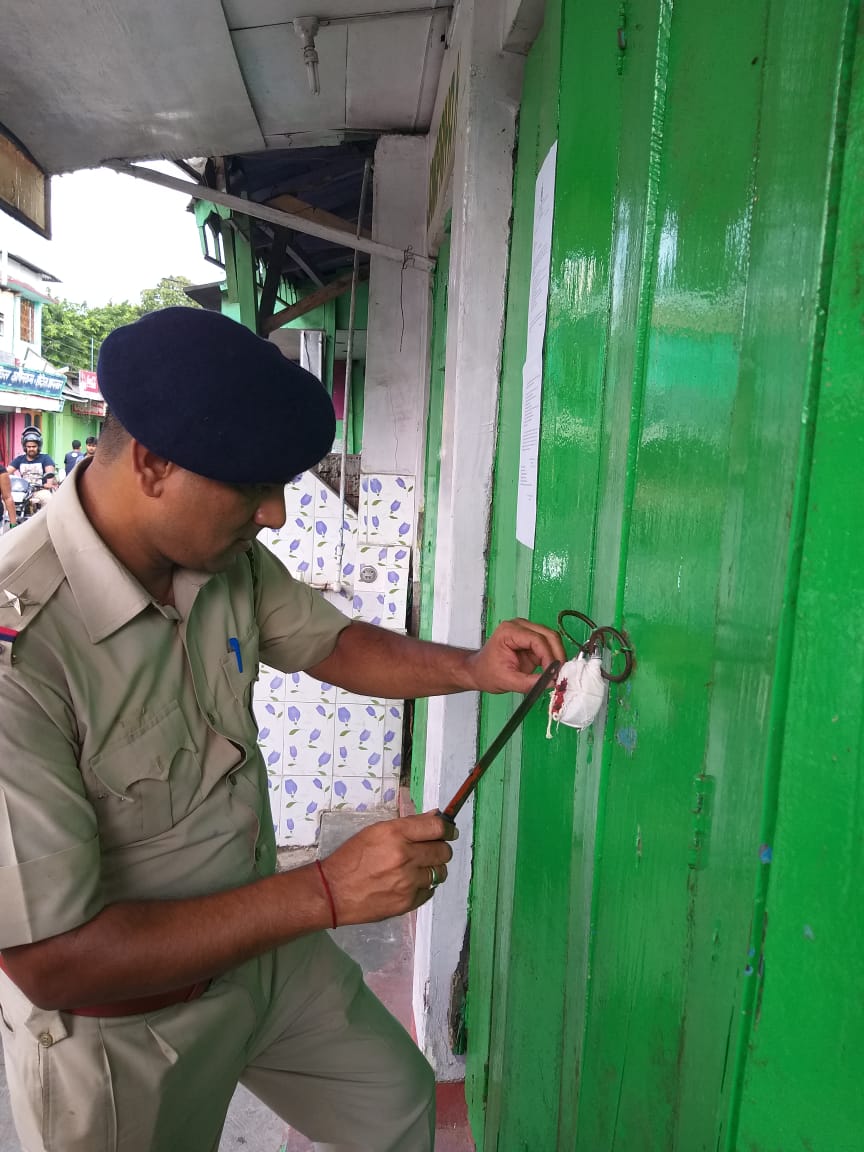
{"x": 349, "y": 352}
{"x": 274, "y": 216}
{"x": 544, "y": 680}
{"x": 325, "y": 21}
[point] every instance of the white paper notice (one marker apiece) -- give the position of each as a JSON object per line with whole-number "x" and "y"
{"x": 532, "y": 372}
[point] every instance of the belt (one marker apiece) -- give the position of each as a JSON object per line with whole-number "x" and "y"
{"x": 144, "y": 1004}
{"x": 141, "y": 1004}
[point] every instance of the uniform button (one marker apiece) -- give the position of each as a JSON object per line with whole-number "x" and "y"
{"x": 46, "y": 1039}
{"x": 259, "y": 852}
{"x": 211, "y": 718}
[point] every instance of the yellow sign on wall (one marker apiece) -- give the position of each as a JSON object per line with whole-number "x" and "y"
{"x": 442, "y": 154}
{"x": 24, "y": 187}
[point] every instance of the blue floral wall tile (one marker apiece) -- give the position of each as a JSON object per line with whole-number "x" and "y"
{"x": 387, "y": 510}
{"x": 303, "y": 801}
{"x": 343, "y": 696}
{"x": 358, "y": 793}
{"x": 315, "y": 756}
{"x": 271, "y": 725}
{"x": 274, "y": 785}
{"x": 341, "y": 600}
{"x": 308, "y": 739}
{"x": 369, "y": 606}
{"x": 389, "y": 789}
{"x": 358, "y": 745}
{"x": 270, "y": 685}
{"x": 300, "y": 687}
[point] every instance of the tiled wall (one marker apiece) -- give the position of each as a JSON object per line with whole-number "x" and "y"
{"x": 326, "y": 748}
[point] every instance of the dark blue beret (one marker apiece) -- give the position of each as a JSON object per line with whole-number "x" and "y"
{"x": 208, "y": 394}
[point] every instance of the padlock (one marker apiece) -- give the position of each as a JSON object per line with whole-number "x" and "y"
{"x": 579, "y": 693}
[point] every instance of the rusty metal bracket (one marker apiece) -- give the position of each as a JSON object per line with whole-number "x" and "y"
{"x": 598, "y": 638}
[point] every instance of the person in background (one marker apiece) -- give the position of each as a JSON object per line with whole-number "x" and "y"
{"x": 90, "y": 445}
{"x": 6, "y": 497}
{"x": 33, "y": 464}
{"x": 72, "y": 458}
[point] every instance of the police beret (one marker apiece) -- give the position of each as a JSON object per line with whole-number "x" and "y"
{"x": 208, "y": 394}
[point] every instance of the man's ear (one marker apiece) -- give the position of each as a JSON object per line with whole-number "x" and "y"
{"x": 151, "y": 471}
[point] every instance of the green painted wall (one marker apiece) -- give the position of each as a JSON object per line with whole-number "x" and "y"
{"x": 627, "y": 991}
{"x": 61, "y": 428}
{"x": 240, "y": 302}
{"x": 429, "y": 512}
{"x": 802, "y": 1086}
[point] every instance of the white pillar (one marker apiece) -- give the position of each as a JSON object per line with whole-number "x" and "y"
{"x": 396, "y": 376}
{"x": 480, "y": 235}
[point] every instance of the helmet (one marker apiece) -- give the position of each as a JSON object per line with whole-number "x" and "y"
{"x": 31, "y": 433}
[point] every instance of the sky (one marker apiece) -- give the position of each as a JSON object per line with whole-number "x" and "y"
{"x": 112, "y": 236}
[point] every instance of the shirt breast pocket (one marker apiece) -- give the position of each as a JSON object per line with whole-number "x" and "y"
{"x": 240, "y": 667}
{"x": 145, "y": 783}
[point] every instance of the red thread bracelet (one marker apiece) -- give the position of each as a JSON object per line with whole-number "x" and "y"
{"x": 327, "y": 890}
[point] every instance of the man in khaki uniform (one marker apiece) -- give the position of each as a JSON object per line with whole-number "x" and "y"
{"x": 151, "y": 956}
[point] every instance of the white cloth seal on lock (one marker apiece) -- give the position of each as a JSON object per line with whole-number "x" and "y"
{"x": 578, "y": 694}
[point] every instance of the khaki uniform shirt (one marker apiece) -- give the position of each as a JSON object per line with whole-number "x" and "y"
{"x": 129, "y": 768}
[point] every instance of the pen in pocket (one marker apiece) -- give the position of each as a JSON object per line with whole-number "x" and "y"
{"x": 234, "y": 645}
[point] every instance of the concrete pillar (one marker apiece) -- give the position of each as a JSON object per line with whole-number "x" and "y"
{"x": 481, "y": 206}
{"x": 396, "y": 350}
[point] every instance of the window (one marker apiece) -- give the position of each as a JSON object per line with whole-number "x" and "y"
{"x": 28, "y": 320}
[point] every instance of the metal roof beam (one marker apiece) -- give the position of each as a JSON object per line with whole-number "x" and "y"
{"x": 407, "y": 257}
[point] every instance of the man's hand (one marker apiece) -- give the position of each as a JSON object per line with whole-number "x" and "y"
{"x": 138, "y": 949}
{"x": 507, "y": 660}
{"x": 386, "y": 869}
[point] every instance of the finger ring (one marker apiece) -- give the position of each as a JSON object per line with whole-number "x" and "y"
{"x": 434, "y": 879}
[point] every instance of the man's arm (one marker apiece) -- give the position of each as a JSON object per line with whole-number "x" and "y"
{"x": 139, "y": 949}
{"x": 65, "y": 948}
{"x": 376, "y": 662}
{"x": 49, "y": 472}
{"x": 6, "y": 497}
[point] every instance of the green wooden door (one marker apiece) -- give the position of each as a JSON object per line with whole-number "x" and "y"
{"x": 619, "y": 943}
{"x": 429, "y": 508}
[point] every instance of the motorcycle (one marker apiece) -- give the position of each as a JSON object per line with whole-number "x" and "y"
{"x": 22, "y": 491}
{"x": 28, "y": 497}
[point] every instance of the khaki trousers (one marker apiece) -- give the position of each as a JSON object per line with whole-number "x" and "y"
{"x": 298, "y": 1027}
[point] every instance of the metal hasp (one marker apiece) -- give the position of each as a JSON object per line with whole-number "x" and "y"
{"x": 544, "y": 680}
{"x": 598, "y": 638}
{"x": 666, "y": 927}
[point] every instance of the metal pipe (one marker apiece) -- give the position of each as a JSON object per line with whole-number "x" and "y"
{"x": 349, "y": 352}
{"x": 406, "y": 257}
{"x": 358, "y": 18}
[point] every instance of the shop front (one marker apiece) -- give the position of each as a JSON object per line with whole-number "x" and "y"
{"x": 25, "y": 396}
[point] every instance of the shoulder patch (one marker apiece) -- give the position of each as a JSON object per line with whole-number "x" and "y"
{"x": 7, "y": 639}
{"x": 24, "y": 591}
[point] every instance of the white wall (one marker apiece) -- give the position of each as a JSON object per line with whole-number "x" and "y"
{"x": 491, "y": 83}
{"x": 10, "y": 305}
{"x": 522, "y": 21}
{"x": 397, "y": 337}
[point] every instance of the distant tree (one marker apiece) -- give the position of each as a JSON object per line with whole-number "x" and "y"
{"x": 168, "y": 293}
{"x": 72, "y": 334}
